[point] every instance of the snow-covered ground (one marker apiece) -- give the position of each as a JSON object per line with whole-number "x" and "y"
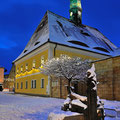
{"x": 22, "y": 107}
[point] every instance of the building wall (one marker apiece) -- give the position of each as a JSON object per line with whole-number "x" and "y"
{"x": 32, "y": 73}
{"x": 49, "y": 51}
{"x": 58, "y": 86}
{"x": 1, "y": 75}
{"x": 108, "y": 74}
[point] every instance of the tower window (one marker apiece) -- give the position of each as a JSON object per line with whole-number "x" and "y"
{"x": 79, "y": 13}
{"x": 71, "y": 13}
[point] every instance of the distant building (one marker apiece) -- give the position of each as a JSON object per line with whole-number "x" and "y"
{"x": 1, "y": 77}
{"x": 9, "y": 80}
{"x": 55, "y": 36}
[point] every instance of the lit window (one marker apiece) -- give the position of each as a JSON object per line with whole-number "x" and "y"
{"x": 71, "y": 13}
{"x": 26, "y": 84}
{"x": 17, "y": 70}
{"x": 33, "y": 84}
{"x": 21, "y": 68}
{"x": 26, "y": 67}
{"x": 42, "y": 60}
{"x": 33, "y": 63}
{"x": 42, "y": 83}
{"x": 21, "y": 85}
{"x": 79, "y": 13}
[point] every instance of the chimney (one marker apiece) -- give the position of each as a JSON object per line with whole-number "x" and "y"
{"x": 76, "y": 11}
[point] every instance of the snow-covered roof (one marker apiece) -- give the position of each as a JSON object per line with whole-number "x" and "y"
{"x": 57, "y": 29}
{"x": 117, "y": 52}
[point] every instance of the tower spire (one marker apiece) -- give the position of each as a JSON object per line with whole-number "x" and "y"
{"x": 76, "y": 11}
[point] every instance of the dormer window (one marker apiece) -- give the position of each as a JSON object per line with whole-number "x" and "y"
{"x": 101, "y": 49}
{"x": 84, "y": 33}
{"x": 78, "y": 43}
{"x": 36, "y": 43}
{"x": 25, "y": 51}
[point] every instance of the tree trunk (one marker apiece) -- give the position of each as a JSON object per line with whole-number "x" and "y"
{"x": 69, "y": 81}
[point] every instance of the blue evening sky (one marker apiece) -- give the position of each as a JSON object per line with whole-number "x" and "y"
{"x": 20, "y": 18}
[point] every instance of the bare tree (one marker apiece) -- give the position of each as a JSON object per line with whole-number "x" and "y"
{"x": 67, "y": 67}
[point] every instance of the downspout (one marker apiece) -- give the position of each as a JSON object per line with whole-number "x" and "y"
{"x": 113, "y": 80}
{"x": 55, "y": 49}
{"x": 60, "y": 77}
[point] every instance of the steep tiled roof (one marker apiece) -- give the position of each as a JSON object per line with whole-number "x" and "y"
{"x": 57, "y": 29}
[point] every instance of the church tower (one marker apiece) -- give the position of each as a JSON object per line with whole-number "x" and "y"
{"x": 76, "y": 11}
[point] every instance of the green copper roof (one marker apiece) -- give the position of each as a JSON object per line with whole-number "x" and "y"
{"x": 75, "y": 4}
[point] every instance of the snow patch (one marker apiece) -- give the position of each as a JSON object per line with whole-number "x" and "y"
{"x": 53, "y": 116}
{"x": 79, "y": 103}
{"x": 82, "y": 98}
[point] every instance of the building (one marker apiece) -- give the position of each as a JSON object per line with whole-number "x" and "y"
{"x": 9, "y": 80}
{"x": 54, "y": 36}
{"x": 1, "y": 77}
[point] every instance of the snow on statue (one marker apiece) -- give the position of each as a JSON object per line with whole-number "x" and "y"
{"x": 82, "y": 104}
{"x": 92, "y": 75}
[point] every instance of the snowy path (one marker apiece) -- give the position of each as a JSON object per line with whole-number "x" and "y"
{"x": 22, "y": 107}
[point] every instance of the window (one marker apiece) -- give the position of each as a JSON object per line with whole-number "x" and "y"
{"x": 25, "y": 51}
{"x": 71, "y": 13}
{"x": 33, "y": 63}
{"x": 42, "y": 60}
{"x": 78, "y": 43}
{"x": 17, "y": 85}
{"x": 26, "y": 66}
{"x": 17, "y": 70}
{"x": 21, "y": 85}
{"x": 26, "y": 84}
{"x": 21, "y": 68}
{"x": 54, "y": 83}
{"x": 42, "y": 83}
{"x": 36, "y": 43}
{"x": 84, "y": 33}
{"x": 79, "y": 13}
{"x": 101, "y": 49}
{"x": 33, "y": 84}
